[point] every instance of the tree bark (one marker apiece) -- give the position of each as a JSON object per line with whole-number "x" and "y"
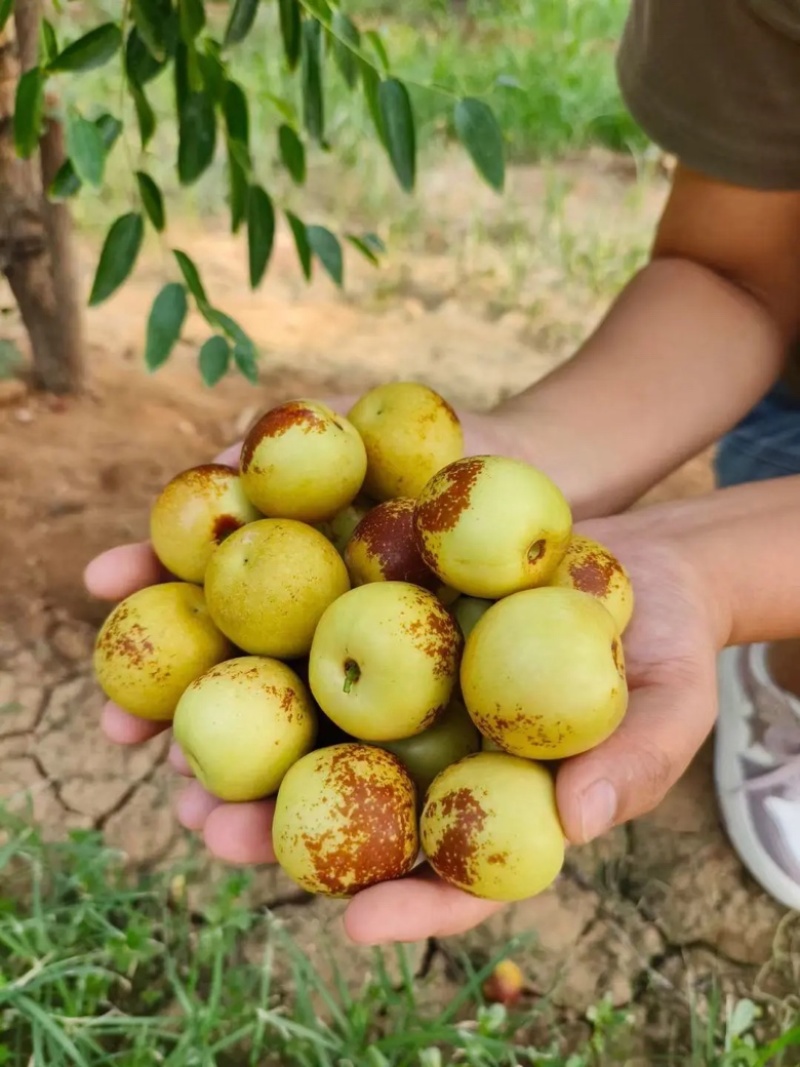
{"x": 33, "y": 232}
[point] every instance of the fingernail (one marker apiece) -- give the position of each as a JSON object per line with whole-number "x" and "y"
{"x": 598, "y": 809}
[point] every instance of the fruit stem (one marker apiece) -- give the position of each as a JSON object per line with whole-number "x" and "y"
{"x": 352, "y": 672}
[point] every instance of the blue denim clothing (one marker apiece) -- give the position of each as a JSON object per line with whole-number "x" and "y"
{"x": 765, "y": 444}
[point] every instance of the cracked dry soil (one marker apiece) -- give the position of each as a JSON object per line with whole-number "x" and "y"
{"x": 651, "y": 915}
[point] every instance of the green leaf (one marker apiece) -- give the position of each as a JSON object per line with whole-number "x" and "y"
{"x": 191, "y": 275}
{"x": 236, "y": 114}
{"x": 379, "y": 48}
{"x": 260, "y": 232}
{"x": 244, "y": 357}
{"x": 66, "y": 182}
{"x": 371, "y": 81}
{"x": 231, "y": 328}
{"x": 92, "y": 50}
{"x": 118, "y": 256}
{"x": 28, "y": 112}
{"x": 152, "y": 200}
{"x": 212, "y": 69}
{"x": 140, "y": 65}
{"x": 345, "y": 33}
{"x": 192, "y": 16}
{"x": 328, "y": 250}
{"x": 291, "y": 19}
{"x": 320, "y": 9}
{"x": 293, "y": 153}
{"x": 197, "y": 132}
{"x": 85, "y": 148}
{"x": 155, "y": 21}
{"x": 214, "y": 359}
{"x": 165, "y": 324}
{"x": 49, "y": 41}
{"x": 241, "y": 21}
{"x": 145, "y": 116}
{"x": 311, "y": 81}
{"x": 6, "y": 7}
{"x": 369, "y": 245}
{"x": 301, "y": 243}
{"x": 238, "y": 184}
{"x": 284, "y": 107}
{"x": 398, "y": 122}
{"x": 479, "y": 132}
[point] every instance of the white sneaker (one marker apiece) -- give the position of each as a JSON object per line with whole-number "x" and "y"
{"x": 757, "y": 771}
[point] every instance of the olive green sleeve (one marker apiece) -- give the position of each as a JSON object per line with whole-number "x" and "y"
{"x": 717, "y": 84}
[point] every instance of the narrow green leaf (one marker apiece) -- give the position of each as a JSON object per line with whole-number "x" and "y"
{"x": 66, "y": 182}
{"x": 328, "y": 250}
{"x": 212, "y": 70}
{"x": 140, "y": 65}
{"x": 243, "y": 15}
{"x": 145, "y": 116}
{"x": 197, "y": 136}
{"x": 371, "y": 81}
{"x": 369, "y": 245}
{"x": 152, "y": 200}
{"x": 214, "y": 359}
{"x": 293, "y": 153}
{"x": 238, "y": 184}
{"x": 311, "y": 81}
{"x": 398, "y": 122}
{"x": 260, "y": 232}
{"x": 285, "y": 107}
{"x": 165, "y": 324}
{"x": 245, "y": 359}
{"x": 92, "y": 50}
{"x": 191, "y": 275}
{"x": 291, "y": 19}
{"x": 301, "y": 243}
{"x": 118, "y": 256}
{"x": 379, "y": 48}
{"x": 85, "y": 148}
{"x": 192, "y": 18}
{"x": 155, "y": 21}
{"x": 479, "y": 132}
{"x": 49, "y": 42}
{"x": 346, "y": 37}
{"x": 320, "y": 9}
{"x": 28, "y": 112}
{"x": 235, "y": 112}
{"x": 6, "y": 7}
{"x": 230, "y": 328}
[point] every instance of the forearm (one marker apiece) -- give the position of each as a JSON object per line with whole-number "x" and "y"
{"x": 680, "y": 357}
{"x": 743, "y": 544}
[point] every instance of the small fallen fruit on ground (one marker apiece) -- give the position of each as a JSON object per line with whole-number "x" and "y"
{"x": 303, "y": 461}
{"x": 268, "y": 584}
{"x": 384, "y": 661}
{"x": 410, "y": 432}
{"x": 543, "y": 674}
{"x": 153, "y": 644}
{"x": 345, "y": 819}
{"x": 194, "y": 513}
{"x": 505, "y": 985}
{"x": 490, "y": 526}
{"x": 242, "y": 725}
{"x": 591, "y": 568}
{"x": 490, "y": 826}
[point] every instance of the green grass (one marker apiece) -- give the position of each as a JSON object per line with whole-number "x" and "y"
{"x": 103, "y": 967}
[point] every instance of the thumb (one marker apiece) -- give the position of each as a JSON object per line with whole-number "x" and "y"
{"x": 630, "y": 773}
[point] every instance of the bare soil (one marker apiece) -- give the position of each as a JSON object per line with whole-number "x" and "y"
{"x": 651, "y": 916}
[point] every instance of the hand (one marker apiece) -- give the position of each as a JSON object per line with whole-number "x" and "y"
{"x": 670, "y": 650}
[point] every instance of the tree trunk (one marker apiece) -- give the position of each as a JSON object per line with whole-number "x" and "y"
{"x": 35, "y": 247}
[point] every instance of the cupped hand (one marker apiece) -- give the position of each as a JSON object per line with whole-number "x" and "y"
{"x": 670, "y": 649}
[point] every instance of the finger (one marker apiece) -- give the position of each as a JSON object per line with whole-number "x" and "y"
{"x": 122, "y": 570}
{"x": 194, "y": 805}
{"x": 241, "y": 833}
{"x": 231, "y": 455}
{"x": 629, "y": 774}
{"x": 413, "y": 908}
{"x": 125, "y": 729}
{"x": 178, "y": 761}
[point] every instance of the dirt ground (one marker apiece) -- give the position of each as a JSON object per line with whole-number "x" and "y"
{"x": 651, "y": 915}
